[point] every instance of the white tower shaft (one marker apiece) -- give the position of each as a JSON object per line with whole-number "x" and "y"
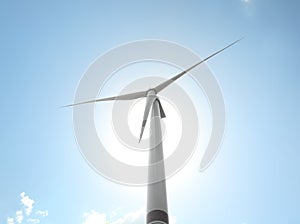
{"x": 157, "y": 209}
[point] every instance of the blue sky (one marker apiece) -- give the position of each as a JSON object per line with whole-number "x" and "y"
{"x": 47, "y": 45}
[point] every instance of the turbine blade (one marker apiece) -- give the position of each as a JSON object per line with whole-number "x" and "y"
{"x": 149, "y": 102}
{"x": 129, "y": 96}
{"x": 163, "y": 85}
{"x": 161, "y": 109}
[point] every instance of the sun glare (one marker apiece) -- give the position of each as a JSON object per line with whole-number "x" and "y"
{"x": 171, "y": 126}
{"x": 133, "y": 116}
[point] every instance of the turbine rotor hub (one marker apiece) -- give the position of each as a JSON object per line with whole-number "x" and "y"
{"x": 151, "y": 92}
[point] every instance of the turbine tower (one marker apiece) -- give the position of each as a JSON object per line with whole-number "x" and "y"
{"x": 157, "y": 208}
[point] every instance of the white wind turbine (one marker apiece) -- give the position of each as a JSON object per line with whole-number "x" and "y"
{"x": 157, "y": 209}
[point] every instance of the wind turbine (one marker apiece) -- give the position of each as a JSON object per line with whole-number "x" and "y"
{"x": 157, "y": 209}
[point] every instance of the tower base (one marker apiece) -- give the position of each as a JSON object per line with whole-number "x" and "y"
{"x": 157, "y": 217}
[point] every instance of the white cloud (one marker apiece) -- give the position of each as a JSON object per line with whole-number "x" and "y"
{"x": 10, "y": 220}
{"x": 32, "y": 216}
{"x": 114, "y": 213}
{"x": 42, "y": 213}
{"x": 132, "y": 218}
{"x": 246, "y": 1}
{"x": 94, "y": 217}
{"x": 135, "y": 217}
{"x": 172, "y": 219}
{"x": 33, "y": 221}
{"x": 27, "y": 202}
{"x": 19, "y": 216}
